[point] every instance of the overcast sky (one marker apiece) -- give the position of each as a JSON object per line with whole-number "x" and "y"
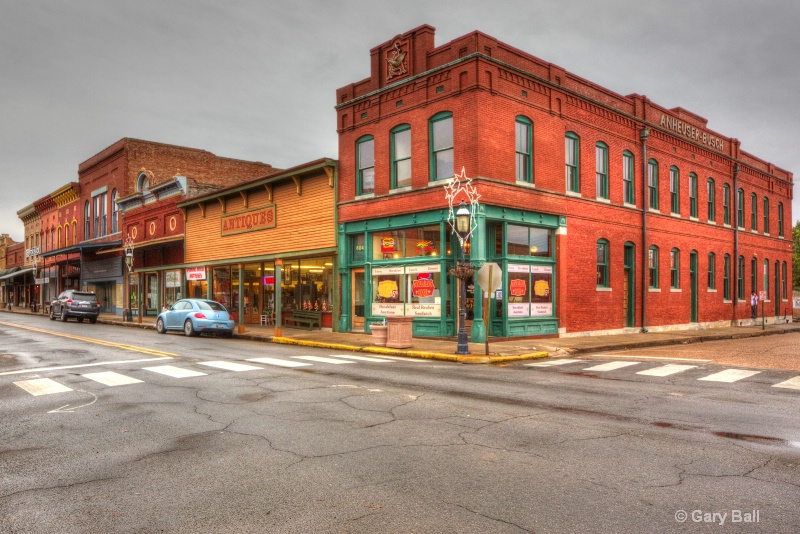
{"x": 257, "y": 80}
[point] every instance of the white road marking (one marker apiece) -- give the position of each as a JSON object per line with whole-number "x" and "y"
{"x": 729, "y": 375}
{"x": 651, "y": 358}
{"x": 71, "y": 410}
{"x": 551, "y": 363}
{"x": 792, "y": 383}
{"x": 321, "y": 359}
{"x": 96, "y": 364}
{"x": 110, "y": 378}
{"x": 42, "y": 386}
{"x": 231, "y": 366}
{"x": 174, "y": 372}
{"x": 666, "y": 370}
{"x": 610, "y": 366}
{"x": 361, "y": 358}
{"x": 279, "y": 363}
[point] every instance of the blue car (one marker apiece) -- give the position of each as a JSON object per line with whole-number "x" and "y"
{"x": 194, "y": 316}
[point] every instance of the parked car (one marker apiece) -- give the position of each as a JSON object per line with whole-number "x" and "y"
{"x": 79, "y": 304}
{"x": 194, "y": 316}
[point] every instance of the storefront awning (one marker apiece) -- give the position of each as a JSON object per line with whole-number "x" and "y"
{"x": 84, "y": 247}
{"x": 15, "y": 274}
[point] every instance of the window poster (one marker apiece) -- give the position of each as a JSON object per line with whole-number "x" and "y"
{"x": 412, "y": 291}
{"x": 519, "y": 298}
{"x": 530, "y": 291}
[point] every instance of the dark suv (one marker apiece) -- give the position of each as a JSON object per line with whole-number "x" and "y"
{"x": 79, "y": 304}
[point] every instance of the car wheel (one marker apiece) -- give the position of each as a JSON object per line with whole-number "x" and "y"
{"x": 92, "y": 320}
{"x": 80, "y": 319}
{"x": 160, "y": 328}
{"x": 52, "y": 314}
{"x": 188, "y": 328}
{"x": 64, "y": 315}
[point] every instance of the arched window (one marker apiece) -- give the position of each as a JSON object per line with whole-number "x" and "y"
{"x": 726, "y": 204}
{"x": 114, "y": 212}
{"x": 652, "y": 264}
{"x": 602, "y": 263}
{"x": 628, "y": 173}
{"x": 712, "y": 268}
{"x": 365, "y": 173}
{"x": 675, "y": 268}
{"x": 601, "y": 169}
{"x": 401, "y": 156}
{"x": 712, "y": 206}
{"x": 726, "y": 278}
{"x": 572, "y": 150}
{"x": 675, "y": 189}
{"x": 524, "y": 149}
{"x": 440, "y": 133}
{"x": 87, "y": 219}
{"x": 143, "y": 183}
{"x": 58, "y": 245}
{"x": 652, "y": 183}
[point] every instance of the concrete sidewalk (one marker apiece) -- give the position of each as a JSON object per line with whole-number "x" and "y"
{"x": 499, "y": 351}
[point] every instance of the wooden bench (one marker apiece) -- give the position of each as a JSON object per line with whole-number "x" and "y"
{"x": 304, "y": 319}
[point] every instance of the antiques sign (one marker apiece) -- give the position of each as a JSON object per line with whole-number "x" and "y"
{"x": 248, "y": 221}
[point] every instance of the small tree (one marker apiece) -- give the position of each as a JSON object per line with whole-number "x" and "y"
{"x": 796, "y": 256}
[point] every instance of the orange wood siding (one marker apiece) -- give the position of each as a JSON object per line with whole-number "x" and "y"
{"x": 304, "y": 222}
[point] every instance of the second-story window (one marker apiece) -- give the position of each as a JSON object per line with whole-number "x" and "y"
{"x": 675, "y": 268}
{"x": 753, "y": 212}
{"x": 114, "y": 212}
{"x": 87, "y": 220}
{"x": 628, "y": 189}
{"x": 652, "y": 183}
{"x": 602, "y": 263}
{"x": 365, "y": 172}
{"x": 524, "y": 144}
{"x": 712, "y": 206}
{"x": 601, "y": 165}
{"x": 96, "y": 213}
{"x": 726, "y": 204}
{"x": 780, "y": 219}
{"x": 441, "y": 147}
{"x": 401, "y": 156}
{"x": 675, "y": 190}
{"x": 766, "y": 215}
{"x": 692, "y": 195}
{"x": 740, "y": 208}
{"x": 572, "y": 147}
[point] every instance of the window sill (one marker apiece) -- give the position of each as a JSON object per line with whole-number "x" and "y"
{"x": 676, "y": 215}
{"x": 675, "y": 290}
{"x": 628, "y": 205}
{"x": 603, "y": 289}
{"x": 573, "y": 194}
{"x": 654, "y": 289}
{"x": 526, "y": 184}
{"x": 651, "y": 210}
{"x": 726, "y": 225}
{"x": 754, "y": 232}
{"x": 403, "y": 189}
{"x": 766, "y": 234}
{"x": 711, "y": 290}
{"x": 727, "y": 301}
{"x": 604, "y": 200}
{"x": 712, "y": 222}
{"x": 363, "y": 197}
{"x": 693, "y": 219}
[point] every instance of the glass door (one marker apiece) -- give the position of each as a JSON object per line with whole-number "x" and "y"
{"x": 358, "y": 300}
{"x": 151, "y": 285}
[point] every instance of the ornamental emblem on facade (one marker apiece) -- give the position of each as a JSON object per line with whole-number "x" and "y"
{"x": 396, "y": 60}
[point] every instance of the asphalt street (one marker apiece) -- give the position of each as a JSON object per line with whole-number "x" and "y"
{"x": 109, "y": 429}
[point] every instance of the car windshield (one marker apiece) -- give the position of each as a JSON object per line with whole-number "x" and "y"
{"x": 210, "y": 305}
{"x": 88, "y": 297}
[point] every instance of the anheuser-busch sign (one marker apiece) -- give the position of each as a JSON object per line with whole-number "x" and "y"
{"x": 248, "y": 221}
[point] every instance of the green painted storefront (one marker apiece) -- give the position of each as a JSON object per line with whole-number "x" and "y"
{"x": 398, "y": 266}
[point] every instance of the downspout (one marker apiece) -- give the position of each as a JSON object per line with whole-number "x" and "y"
{"x": 736, "y": 274}
{"x": 644, "y": 133}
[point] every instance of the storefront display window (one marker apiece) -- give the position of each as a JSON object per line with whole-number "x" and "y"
{"x": 222, "y": 287}
{"x": 526, "y": 241}
{"x": 172, "y": 287}
{"x": 409, "y": 243}
{"x": 413, "y": 291}
{"x": 530, "y": 290}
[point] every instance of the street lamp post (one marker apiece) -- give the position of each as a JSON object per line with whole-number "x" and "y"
{"x": 463, "y": 271}
{"x": 129, "y": 263}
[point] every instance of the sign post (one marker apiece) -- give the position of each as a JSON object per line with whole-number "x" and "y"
{"x": 762, "y": 296}
{"x": 490, "y": 277}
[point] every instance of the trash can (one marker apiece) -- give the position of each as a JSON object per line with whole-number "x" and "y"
{"x": 398, "y": 334}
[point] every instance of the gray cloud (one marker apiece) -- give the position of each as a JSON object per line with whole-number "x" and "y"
{"x": 257, "y": 80}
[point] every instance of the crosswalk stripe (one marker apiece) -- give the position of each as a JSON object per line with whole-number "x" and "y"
{"x": 110, "y": 378}
{"x": 551, "y": 363}
{"x": 231, "y": 366}
{"x": 279, "y": 363}
{"x": 729, "y": 375}
{"x": 42, "y": 386}
{"x": 174, "y": 372}
{"x": 361, "y": 358}
{"x": 610, "y": 366}
{"x": 321, "y": 359}
{"x": 666, "y": 370}
{"x": 792, "y": 383}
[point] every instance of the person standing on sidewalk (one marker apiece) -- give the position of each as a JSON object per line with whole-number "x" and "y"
{"x": 753, "y": 305}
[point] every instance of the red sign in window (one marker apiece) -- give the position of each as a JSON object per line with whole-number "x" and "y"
{"x": 422, "y": 288}
{"x": 517, "y": 288}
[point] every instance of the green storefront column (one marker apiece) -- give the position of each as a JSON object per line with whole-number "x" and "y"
{"x": 477, "y": 257}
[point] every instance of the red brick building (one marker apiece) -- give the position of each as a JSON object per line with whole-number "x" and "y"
{"x": 605, "y": 212}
